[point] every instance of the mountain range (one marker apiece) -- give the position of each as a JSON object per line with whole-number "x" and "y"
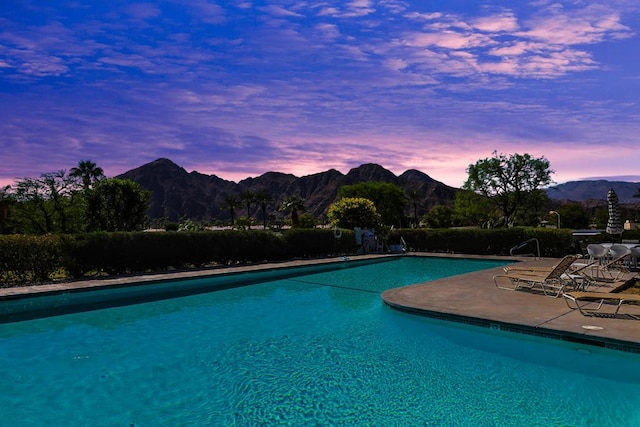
{"x": 585, "y": 191}
{"x": 178, "y": 194}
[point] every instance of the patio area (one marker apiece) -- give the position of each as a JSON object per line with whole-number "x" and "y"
{"x": 473, "y": 298}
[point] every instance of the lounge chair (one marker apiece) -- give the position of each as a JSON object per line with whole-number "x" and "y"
{"x": 609, "y": 272}
{"x": 551, "y": 283}
{"x": 528, "y": 268}
{"x": 583, "y": 301}
{"x": 618, "y": 266}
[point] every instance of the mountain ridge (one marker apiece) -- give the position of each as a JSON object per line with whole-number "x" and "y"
{"x": 583, "y": 191}
{"x": 178, "y": 194}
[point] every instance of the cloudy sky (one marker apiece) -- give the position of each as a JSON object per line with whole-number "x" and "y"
{"x": 238, "y": 88}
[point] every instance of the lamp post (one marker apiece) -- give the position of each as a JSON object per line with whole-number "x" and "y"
{"x": 556, "y": 214}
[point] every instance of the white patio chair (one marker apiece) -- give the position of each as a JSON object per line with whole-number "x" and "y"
{"x": 597, "y": 253}
{"x": 621, "y": 252}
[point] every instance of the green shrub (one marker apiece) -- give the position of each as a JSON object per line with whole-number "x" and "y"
{"x": 171, "y": 226}
{"x": 35, "y": 259}
{"x": 553, "y": 243}
{"x": 29, "y": 259}
{"x": 305, "y": 243}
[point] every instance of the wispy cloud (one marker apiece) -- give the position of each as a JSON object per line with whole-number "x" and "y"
{"x": 143, "y": 10}
{"x": 243, "y": 87}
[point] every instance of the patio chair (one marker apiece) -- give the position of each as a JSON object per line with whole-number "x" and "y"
{"x": 551, "y": 283}
{"x": 618, "y": 251}
{"x": 635, "y": 256}
{"x": 606, "y": 263}
{"x": 583, "y": 302}
{"x": 620, "y": 262}
{"x": 597, "y": 253}
{"x": 604, "y": 275}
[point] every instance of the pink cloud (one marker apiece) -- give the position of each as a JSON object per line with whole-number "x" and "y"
{"x": 497, "y": 23}
{"x": 447, "y": 40}
{"x": 143, "y": 10}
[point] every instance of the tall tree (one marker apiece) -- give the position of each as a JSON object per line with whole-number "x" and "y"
{"x": 535, "y": 206}
{"x": 293, "y": 204}
{"x": 508, "y": 181}
{"x": 473, "y": 209}
{"x": 440, "y": 216}
{"x": 46, "y": 204}
{"x": 574, "y": 215}
{"x": 88, "y": 172}
{"x": 414, "y": 197}
{"x": 231, "y": 202}
{"x": 249, "y": 197}
{"x": 7, "y": 200}
{"x": 263, "y": 198}
{"x": 117, "y": 205}
{"x": 388, "y": 199}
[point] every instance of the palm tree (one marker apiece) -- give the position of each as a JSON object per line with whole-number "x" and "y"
{"x": 231, "y": 202}
{"x": 88, "y": 172}
{"x": 294, "y": 204}
{"x": 249, "y": 197}
{"x": 414, "y": 198}
{"x": 263, "y": 198}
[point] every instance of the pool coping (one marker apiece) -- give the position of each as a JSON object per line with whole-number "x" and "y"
{"x": 41, "y": 301}
{"x": 469, "y": 298}
{"x": 110, "y": 282}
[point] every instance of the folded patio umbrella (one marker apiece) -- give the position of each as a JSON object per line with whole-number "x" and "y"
{"x": 614, "y": 224}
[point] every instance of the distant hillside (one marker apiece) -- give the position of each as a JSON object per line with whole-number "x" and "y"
{"x": 178, "y": 194}
{"x": 583, "y": 191}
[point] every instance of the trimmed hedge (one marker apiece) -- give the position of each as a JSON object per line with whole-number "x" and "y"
{"x": 35, "y": 259}
{"x": 498, "y": 241}
{"x": 308, "y": 243}
{"x": 38, "y": 259}
{"x": 29, "y": 259}
{"x": 117, "y": 253}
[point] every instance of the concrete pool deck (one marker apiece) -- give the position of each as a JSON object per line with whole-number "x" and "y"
{"x": 469, "y": 298}
{"x": 473, "y": 298}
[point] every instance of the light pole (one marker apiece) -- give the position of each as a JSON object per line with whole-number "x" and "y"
{"x": 556, "y": 214}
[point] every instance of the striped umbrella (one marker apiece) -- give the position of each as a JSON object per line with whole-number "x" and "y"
{"x": 614, "y": 225}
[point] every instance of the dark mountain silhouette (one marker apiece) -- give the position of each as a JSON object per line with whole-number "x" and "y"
{"x": 178, "y": 194}
{"x": 592, "y": 191}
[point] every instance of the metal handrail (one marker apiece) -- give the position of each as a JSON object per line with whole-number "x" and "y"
{"x": 523, "y": 244}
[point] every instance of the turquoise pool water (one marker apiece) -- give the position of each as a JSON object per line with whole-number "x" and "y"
{"x": 320, "y": 349}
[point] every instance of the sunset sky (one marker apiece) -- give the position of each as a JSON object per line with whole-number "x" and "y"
{"x": 238, "y": 88}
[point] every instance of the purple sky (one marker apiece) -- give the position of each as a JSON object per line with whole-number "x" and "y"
{"x": 238, "y": 88}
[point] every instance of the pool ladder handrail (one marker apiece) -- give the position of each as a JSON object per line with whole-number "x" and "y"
{"x": 523, "y": 244}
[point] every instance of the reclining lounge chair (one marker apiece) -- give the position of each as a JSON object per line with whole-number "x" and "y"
{"x": 583, "y": 301}
{"x": 551, "y": 283}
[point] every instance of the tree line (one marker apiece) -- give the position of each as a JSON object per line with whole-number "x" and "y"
{"x": 500, "y": 191}
{"x": 80, "y": 200}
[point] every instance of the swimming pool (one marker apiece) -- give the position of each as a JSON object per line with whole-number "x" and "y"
{"x": 318, "y": 349}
